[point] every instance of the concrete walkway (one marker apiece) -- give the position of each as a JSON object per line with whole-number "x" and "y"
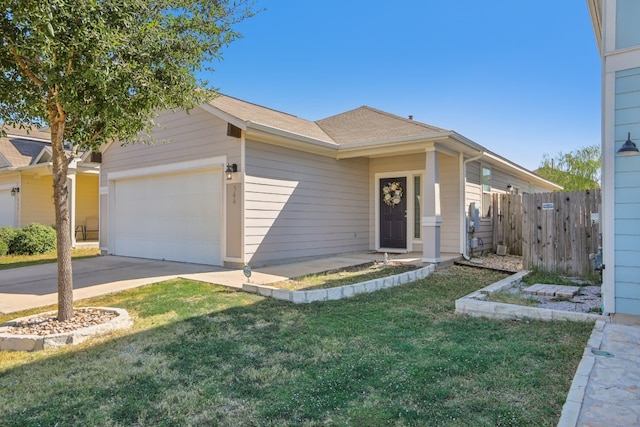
{"x": 606, "y": 388}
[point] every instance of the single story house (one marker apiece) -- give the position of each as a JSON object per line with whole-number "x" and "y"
{"x": 26, "y": 183}
{"x": 615, "y": 23}
{"x": 236, "y": 183}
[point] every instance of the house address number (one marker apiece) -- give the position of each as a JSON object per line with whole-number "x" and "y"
{"x": 547, "y": 206}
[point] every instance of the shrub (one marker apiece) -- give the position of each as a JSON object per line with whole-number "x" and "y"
{"x": 7, "y": 234}
{"x": 33, "y": 239}
{"x": 4, "y": 248}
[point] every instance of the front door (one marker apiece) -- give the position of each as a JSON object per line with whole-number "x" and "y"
{"x": 393, "y": 213}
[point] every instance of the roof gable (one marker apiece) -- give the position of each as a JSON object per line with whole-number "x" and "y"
{"x": 19, "y": 151}
{"x": 369, "y": 124}
{"x": 252, "y": 113}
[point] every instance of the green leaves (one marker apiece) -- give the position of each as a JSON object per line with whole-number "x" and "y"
{"x": 577, "y": 170}
{"x": 110, "y": 66}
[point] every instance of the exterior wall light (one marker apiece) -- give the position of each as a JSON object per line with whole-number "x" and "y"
{"x": 629, "y": 148}
{"x": 15, "y": 190}
{"x": 231, "y": 169}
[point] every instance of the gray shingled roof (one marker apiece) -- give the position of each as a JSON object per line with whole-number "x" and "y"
{"x": 366, "y": 124}
{"x": 20, "y": 152}
{"x": 19, "y": 149}
{"x": 359, "y": 125}
{"x": 253, "y": 113}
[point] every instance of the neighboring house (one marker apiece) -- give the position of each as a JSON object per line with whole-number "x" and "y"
{"x": 26, "y": 184}
{"x": 618, "y": 36}
{"x": 300, "y": 188}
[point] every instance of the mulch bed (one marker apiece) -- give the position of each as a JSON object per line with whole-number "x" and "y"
{"x": 503, "y": 263}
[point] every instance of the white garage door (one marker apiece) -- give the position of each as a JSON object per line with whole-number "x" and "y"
{"x": 7, "y": 208}
{"x": 173, "y": 216}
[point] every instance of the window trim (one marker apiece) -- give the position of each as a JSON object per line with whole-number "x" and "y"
{"x": 484, "y": 167}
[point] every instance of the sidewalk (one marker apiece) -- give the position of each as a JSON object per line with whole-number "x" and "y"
{"x": 606, "y": 387}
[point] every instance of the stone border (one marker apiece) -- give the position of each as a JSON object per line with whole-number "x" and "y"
{"x": 575, "y": 398}
{"x": 332, "y": 294}
{"x": 475, "y": 305}
{"x": 17, "y": 342}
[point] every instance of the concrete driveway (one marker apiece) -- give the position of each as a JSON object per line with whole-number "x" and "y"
{"x": 37, "y": 286}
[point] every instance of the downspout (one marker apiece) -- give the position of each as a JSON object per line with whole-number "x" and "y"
{"x": 465, "y": 228}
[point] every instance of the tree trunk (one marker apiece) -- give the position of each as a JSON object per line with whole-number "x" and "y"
{"x": 63, "y": 226}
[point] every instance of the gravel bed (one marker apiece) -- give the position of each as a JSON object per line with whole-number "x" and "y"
{"x": 48, "y": 324}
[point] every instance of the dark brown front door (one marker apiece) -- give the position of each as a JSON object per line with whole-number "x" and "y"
{"x": 393, "y": 213}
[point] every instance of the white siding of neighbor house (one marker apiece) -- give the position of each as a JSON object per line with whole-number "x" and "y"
{"x": 180, "y": 137}
{"x": 412, "y": 165}
{"x": 301, "y": 205}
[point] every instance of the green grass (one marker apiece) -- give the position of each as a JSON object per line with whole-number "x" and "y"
{"x": 15, "y": 261}
{"x": 204, "y": 355}
{"x": 513, "y": 298}
{"x": 540, "y": 276}
{"x": 343, "y": 277}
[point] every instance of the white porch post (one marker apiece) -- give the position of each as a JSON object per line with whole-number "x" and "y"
{"x": 431, "y": 218}
{"x": 72, "y": 205}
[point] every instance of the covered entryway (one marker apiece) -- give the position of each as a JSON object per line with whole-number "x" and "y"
{"x": 393, "y": 213}
{"x": 171, "y": 216}
{"x": 7, "y": 208}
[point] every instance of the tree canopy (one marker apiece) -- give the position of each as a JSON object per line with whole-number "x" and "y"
{"x": 577, "y": 170}
{"x": 107, "y": 67}
{"x": 96, "y": 71}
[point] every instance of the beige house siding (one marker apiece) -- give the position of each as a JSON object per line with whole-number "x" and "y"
{"x": 180, "y": 137}
{"x": 300, "y": 205}
{"x": 412, "y": 165}
{"x": 200, "y": 135}
{"x": 36, "y": 200}
{"x": 449, "y": 170}
{"x": 499, "y": 181}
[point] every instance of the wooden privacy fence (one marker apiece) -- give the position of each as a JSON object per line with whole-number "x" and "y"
{"x": 552, "y": 231}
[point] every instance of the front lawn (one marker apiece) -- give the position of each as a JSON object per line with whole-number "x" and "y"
{"x": 15, "y": 261}
{"x": 205, "y": 355}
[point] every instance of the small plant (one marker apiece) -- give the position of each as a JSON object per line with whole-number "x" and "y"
{"x": 4, "y": 248}
{"x": 33, "y": 239}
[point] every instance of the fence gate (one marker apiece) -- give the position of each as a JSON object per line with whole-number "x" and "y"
{"x": 552, "y": 231}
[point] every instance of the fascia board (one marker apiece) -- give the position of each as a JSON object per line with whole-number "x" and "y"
{"x": 447, "y": 142}
{"x": 42, "y": 152}
{"x": 237, "y": 122}
{"x": 519, "y": 170}
{"x": 45, "y": 166}
{"x": 595, "y": 9}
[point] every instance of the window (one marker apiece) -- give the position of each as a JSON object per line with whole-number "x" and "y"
{"x": 486, "y": 192}
{"x": 417, "y": 217}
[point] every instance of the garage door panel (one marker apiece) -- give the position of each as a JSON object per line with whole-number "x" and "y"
{"x": 174, "y": 217}
{"x": 7, "y": 209}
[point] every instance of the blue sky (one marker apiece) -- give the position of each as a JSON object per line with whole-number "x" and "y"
{"x": 520, "y": 78}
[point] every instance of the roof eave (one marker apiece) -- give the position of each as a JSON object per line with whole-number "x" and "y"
{"x": 595, "y": 11}
{"x": 525, "y": 173}
{"x": 271, "y": 135}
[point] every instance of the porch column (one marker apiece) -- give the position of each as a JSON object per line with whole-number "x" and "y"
{"x": 431, "y": 218}
{"x": 71, "y": 183}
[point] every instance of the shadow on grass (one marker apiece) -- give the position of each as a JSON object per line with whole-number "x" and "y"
{"x": 203, "y": 355}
